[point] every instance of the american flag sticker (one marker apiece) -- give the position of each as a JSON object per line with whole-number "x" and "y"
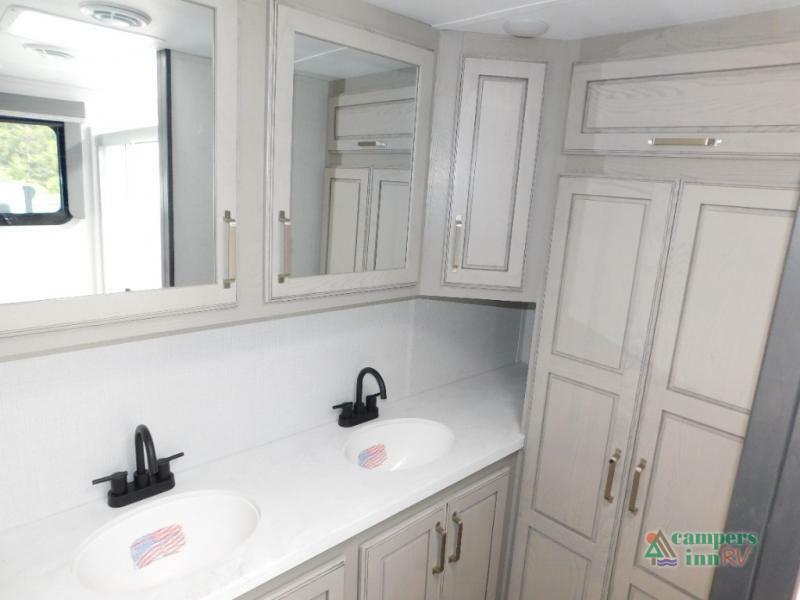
{"x": 156, "y": 545}
{"x": 372, "y": 457}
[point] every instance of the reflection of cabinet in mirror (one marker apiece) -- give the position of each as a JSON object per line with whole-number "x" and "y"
{"x": 378, "y": 120}
{"x": 351, "y": 119}
{"x": 363, "y": 208}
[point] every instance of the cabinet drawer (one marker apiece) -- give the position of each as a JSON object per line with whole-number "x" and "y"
{"x": 372, "y": 121}
{"x": 326, "y": 583}
{"x": 720, "y": 103}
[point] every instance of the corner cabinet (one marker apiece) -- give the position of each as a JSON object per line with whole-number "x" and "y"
{"x": 450, "y": 551}
{"x": 498, "y": 128}
{"x": 482, "y": 177}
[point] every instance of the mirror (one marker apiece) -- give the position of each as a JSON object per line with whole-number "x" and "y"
{"x": 353, "y": 120}
{"x": 106, "y": 147}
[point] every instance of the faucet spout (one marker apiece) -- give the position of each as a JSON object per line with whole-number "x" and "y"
{"x": 360, "y": 384}
{"x": 143, "y": 442}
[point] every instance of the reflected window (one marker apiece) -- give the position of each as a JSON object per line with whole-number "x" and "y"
{"x": 32, "y": 172}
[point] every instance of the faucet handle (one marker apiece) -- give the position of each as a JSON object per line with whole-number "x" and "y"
{"x": 118, "y": 480}
{"x": 347, "y": 409}
{"x": 372, "y": 402}
{"x": 164, "y": 470}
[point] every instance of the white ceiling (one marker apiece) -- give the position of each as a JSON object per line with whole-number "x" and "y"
{"x": 329, "y": 61}
{"x": 176, "y": 24}
{"x": 574, "y": 19}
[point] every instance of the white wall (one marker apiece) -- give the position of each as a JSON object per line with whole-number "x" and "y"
{"x": 68, "y": 418}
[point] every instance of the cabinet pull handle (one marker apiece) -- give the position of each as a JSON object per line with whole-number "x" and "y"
{"x": 612, "y": 469}
{"x": 371, "y": 144}
{"x": 286, "y": 223}
{"x": 637, "y": 477}
{"x": 442, "y": 549}
{"x": 233, "y": 234}
{"x": 458, "y": 242}
{"x": 456, "y": 556}
{"x": 668, "y": 141}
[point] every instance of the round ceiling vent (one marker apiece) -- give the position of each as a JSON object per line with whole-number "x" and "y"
{"x": 112, "y": 14}
{"x": 525, "y": 28}
{"x": 49, "y": 51}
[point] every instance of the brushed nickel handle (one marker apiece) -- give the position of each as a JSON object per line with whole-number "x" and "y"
{"x": 442, "y": 549}
{"x": 458, "y": 242}
{"x": 456, "y": 556}
{"x": 668, "y": 141}
{"x": 637, "y": 477}
{"x": 612, "y": 469}
{"x": 286, "y": 224}
{"x": 233, "y": 238}
{"x": 371, "y": 144}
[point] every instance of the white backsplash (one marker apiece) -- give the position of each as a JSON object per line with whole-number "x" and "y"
{"x": 68, "y": 418}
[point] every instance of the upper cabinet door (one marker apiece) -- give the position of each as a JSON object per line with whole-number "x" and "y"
{"x": 350, "y": 123}
{"x": 118, "y": 191}
{"x": 722, "y": 103}
{"x": 496, "y": 142}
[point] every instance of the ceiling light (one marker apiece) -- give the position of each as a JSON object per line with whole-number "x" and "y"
{"x": 49, "y": 51}
{"x": 525, "y": 29}
{"x": 53, "y": 30}
{"x": 112, "y": 14}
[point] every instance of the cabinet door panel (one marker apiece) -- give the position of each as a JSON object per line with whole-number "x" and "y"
{"x": 552, "y": 571}
{"x": 607, "y": 250}
{"x": 498, "y": 128}
{"x": 346, "y": 206}
{"x": 472, "y": 573}
{"x": 326, "y": 583}
{"x": 388, "y": 217}
{"x": 398, "y": 564}
{"x": 725, "y": 263}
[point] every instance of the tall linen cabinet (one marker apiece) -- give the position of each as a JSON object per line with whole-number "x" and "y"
{"x": 665, "y": 262}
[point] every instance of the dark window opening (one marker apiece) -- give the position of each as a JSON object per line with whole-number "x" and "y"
{"x": 33, "y": 172}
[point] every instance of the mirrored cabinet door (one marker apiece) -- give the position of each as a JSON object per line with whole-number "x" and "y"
{"x": 349, "y": 156}
{"x": 117, "y": 160}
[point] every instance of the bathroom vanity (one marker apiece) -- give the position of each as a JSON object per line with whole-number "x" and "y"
{"x": 349, "y": 531}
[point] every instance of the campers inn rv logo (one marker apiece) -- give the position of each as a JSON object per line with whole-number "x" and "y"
{"x": 699, "y": 549}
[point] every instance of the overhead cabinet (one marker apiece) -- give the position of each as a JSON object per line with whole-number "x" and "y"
{"x": 716, "y": 103}
{"x": 351, "y": 125}
{"x": 492, "y": 180}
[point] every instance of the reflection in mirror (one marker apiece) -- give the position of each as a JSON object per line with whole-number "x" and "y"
{"x": 352, "y": 139}
{"x": 106, "y": 147}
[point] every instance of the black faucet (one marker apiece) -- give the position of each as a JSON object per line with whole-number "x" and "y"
{"x": 150, "y": 479}
{"x": 354, "y": 413}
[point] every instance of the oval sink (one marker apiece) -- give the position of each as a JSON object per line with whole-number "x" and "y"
{"x": 165, "y": 540}
{"x": 398, "y": 444}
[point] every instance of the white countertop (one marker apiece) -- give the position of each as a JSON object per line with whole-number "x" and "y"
{"x": 310, "y": 498}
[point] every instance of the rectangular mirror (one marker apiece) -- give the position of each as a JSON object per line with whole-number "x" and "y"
{"x": 108, "y": 139}
{"x": 352, "y": 218}
{"x": 350, "y": 139}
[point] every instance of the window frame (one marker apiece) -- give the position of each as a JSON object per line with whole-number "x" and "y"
{"x": 62, "y": 215}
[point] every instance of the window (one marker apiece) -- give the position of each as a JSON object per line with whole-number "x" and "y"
{"x": 33, "y": 179}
